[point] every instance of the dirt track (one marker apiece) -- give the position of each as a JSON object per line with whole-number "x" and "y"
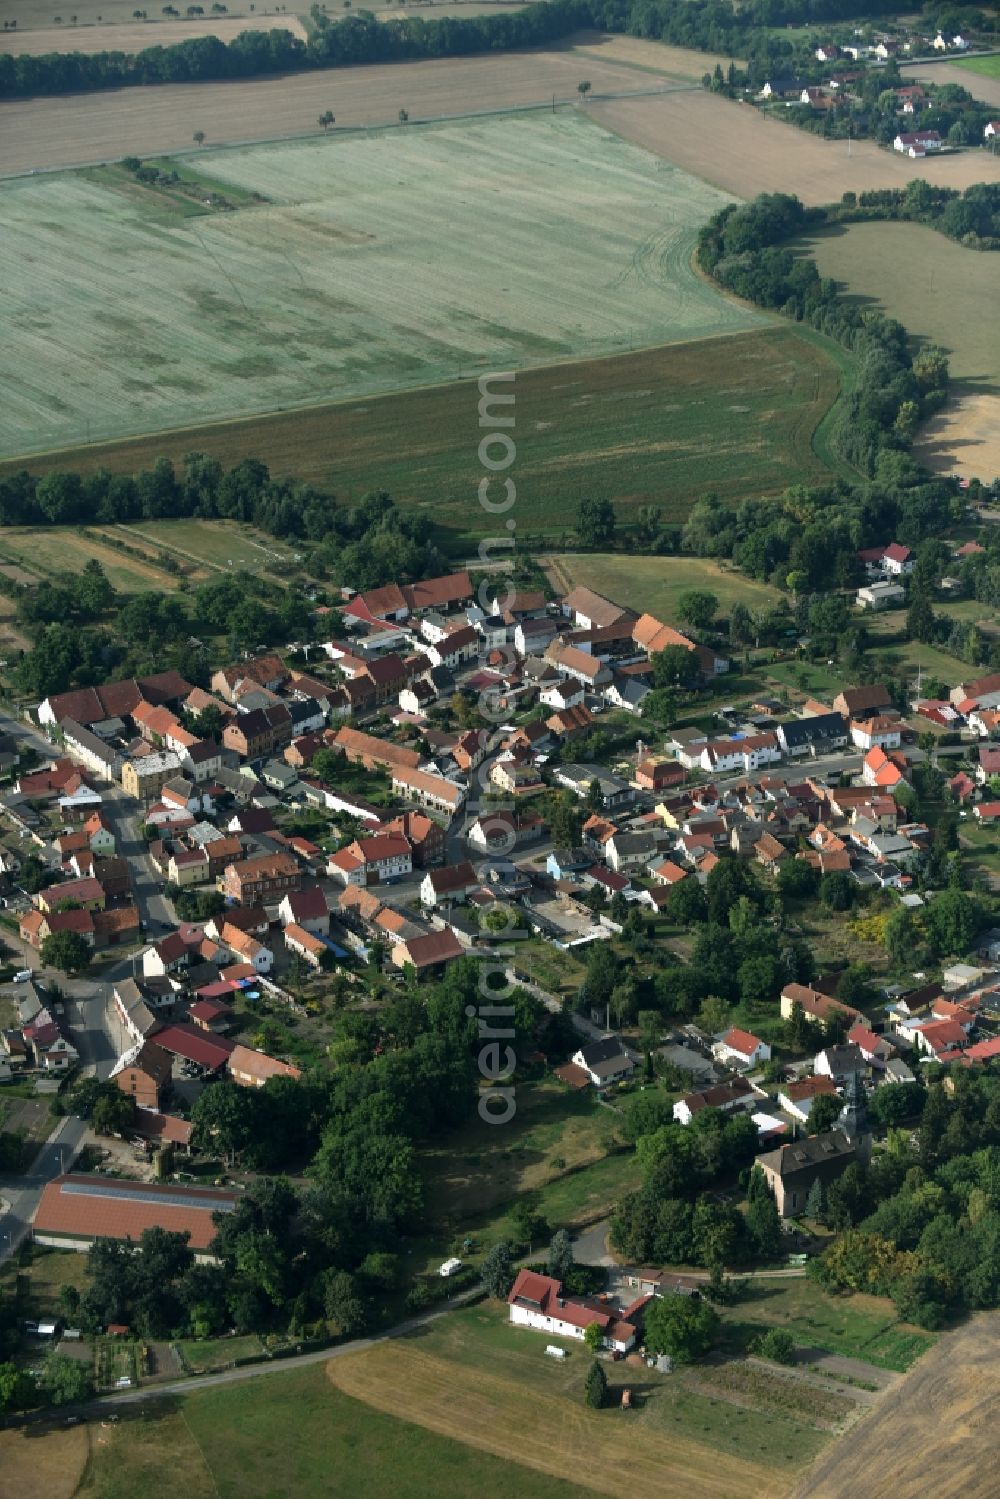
{"x": 77, "y": 129}
{"x": 932, "y": 1437}
{"x": 741, "y": 150}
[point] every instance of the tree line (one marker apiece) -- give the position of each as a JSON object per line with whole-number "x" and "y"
{"x": 714, "y": 25}
{"x": 745, "y": 249}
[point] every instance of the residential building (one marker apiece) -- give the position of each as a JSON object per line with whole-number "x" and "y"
{"x": 798, "y": 1098}
{"x": 144, "y": 1073}
{"x": 732, "y": 1096}
{"x": 450, "y": 885}
{"x": 144, "y": 778}
{"x": 307, "y": 909}
{"x": 429, "y": 789}
{"x": 538, "y": 1302}
{"x": 310, "y": 948}
{"x": 427, "y": 951}
{"x": 816, "y": 1005}
{"x": 252, "y": 1069}
{"x": 604, "y": 1062}
{"x": 742, "y": 1048}
{"x": 269, "y": 876}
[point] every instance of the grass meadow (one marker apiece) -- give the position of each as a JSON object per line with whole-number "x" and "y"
{"x": 368, "y": 263}
{"x": 654, "y": 584}
{"x": 940, "y": 291}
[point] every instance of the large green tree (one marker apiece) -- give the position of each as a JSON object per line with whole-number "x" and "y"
{"x": 683, "y": 1326}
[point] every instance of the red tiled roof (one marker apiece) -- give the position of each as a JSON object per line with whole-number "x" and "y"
{"x": 741, "y": 1041}
{"x": 193, "y": 1044}
{"x": 98, "y": 1207}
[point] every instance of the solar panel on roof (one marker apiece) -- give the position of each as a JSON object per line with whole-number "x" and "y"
{"x": 137, "y": 1194}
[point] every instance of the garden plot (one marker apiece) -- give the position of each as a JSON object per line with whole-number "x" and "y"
{"x": 404, "y": 258}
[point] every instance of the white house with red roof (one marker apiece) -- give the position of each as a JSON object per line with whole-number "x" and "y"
{"x": 538, "y": 1302}
{"x": 306, "y": 908}
{"x": 798, "y": 1098}
{"x": 741, "y": 1048}
{"x": 876, "y": 1050}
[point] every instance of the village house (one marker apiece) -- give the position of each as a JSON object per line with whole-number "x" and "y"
{"x": 144, "y": 777}
{"x": 427, "y": 951}
{"x": 798, "y": 1098}
{"x": 732, "y": 1096}
{"x": 253, "y": 881}
{"x": 451, "y": 885}
{"x": 144, "y": 1073}
{"x": 428, "y": 789}
{"x": 310, "y": 948}
{"x": 538, "y": 1301}
{"x": 815, "y": 1005}
{"x": 306, "y": 908}
{"x": 742, "y": 1048}
{"x": 604, "y": 1062}
{"x": 252, "y": 1069}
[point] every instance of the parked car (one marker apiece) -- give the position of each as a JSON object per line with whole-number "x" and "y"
{"x": 22, "y": 976}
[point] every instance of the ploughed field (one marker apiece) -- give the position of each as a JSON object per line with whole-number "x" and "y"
{"x": 352, "y": 266}
{"x": 76, "y": 129}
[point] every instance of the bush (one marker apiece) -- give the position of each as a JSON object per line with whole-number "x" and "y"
{"x": 775, "y": 1344}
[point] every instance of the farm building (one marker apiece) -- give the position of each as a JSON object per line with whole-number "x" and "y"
{"x": 77, "y": 1209}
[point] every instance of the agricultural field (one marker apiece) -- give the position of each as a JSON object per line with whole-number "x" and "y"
{"x": 745, "y": 152}
{"x": 640, "y": 428}
{"x": 74, "y": 130}
{"x": 110, "y": 16}
{"x": 473, "y": 1377}
{"x": 890, "y": 1455}
{"x": 294, "y": 1433}
{"x": 980, "y": 75}
{"x": 402, "y": 258}
{"x": 906, "y": 267}
{"x": 133, "y": 36}
{"x": 47, "y": 1464}
{"x": 654, "y": 584}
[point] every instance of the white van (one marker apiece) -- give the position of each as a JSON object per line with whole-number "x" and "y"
{"x": 450, "y": 1267}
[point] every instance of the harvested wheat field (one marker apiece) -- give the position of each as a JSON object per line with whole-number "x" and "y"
{"x": 963, "y": 439}
{"x": 78, "y": 129}
{"x": 133, "y": 36}
{"x": 945, "y": 294}
{"x": 682, "y": 63}
{"x": 932, "y": 1437}
{"x": 746, "y": 152}
{"x": 43, "y": 1463}
{"x": 541, "y": 1431}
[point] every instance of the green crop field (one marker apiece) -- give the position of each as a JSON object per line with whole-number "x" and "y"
{"x": 345, "y": 266}
{"x": 986, "y": 67}
{"x": 661, "y": 426}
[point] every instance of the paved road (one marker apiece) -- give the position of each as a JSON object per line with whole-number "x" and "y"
{"x": 21, "y": 1194}
{"x": 90, "y": 1020}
